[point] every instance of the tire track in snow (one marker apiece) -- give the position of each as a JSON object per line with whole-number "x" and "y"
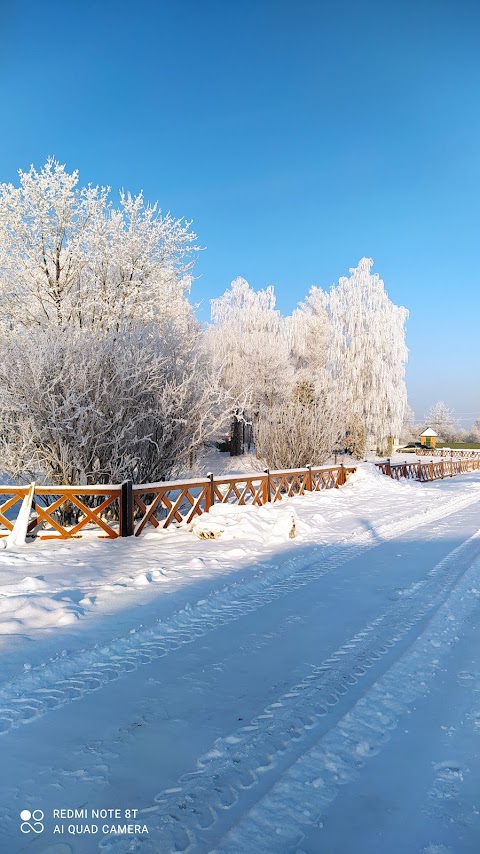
{"x": 64, "y": 680}
{"x": 234, "y": 774}
{"x": 305, "y": 792}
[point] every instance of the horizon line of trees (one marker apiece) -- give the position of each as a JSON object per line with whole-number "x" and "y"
{"x": 442, "y": 419}
{"x": 106, "y": 373}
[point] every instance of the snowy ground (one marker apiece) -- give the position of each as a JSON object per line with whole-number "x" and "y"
{"x": 252, "y": 694}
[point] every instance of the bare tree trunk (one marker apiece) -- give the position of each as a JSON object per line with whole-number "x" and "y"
{"x": 236, "y": 442}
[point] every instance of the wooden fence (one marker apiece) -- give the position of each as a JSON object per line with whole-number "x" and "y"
{"x": 160, "y": 504}
{"x": 53, "y": 503}
{"x": 434, "y": 470}
{"x": 126, "y": 509}
{"x": 462, "y": 453}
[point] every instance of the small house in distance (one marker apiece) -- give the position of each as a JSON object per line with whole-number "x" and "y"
{"x": 428, "y": 438}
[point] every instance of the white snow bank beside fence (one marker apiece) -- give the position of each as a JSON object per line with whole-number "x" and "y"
{"x": 68, "y": 585}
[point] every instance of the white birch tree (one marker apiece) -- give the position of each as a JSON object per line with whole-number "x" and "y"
{"x": 310, "y": 337}
{"x": 410, "y": 431}
{"x": 368, "y": 356}
{"x": 248, "y": 340}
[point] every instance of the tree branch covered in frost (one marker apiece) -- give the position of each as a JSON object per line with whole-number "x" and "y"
{"x": 368, "y": 354}
{"x": 69, "y": 258}
{"x": 103, "y": 371}
{"x": 442, "y": 419}
{"x": 296, "y": 434}
{"x": 79, "y": 409}
{"x": 348, "y": 344}
{"x": 249, "y": 345}
{"x": 310, "y": 335}
{"x": 106, "y": 373}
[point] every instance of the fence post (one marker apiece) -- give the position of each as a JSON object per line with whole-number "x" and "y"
{"x": 210, "y": 496}
{"x": 266, "y": 487}
{"x": 126, "y": 509}
{"x": 342, "y": 476}
{"x": 309, "y": 479}
{"x": 389, "y": 468}
{"x": 443, "y": 468}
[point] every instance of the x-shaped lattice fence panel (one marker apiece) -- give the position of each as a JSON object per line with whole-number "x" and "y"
{"x": 240, "y": 490}
{"x": 10, "y": 496}
{"x": 163, "y": 503}
{"x": 50, "y": 500}
{"x": 285, "y": 484}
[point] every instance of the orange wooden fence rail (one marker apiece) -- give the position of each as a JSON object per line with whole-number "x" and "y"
{"x": 160, "y": 504}
{"x": 126, "y": 509}
{"x": 463, "y": 453}
{"x": 435, "y": 470}
{"x": 53, "y": 502}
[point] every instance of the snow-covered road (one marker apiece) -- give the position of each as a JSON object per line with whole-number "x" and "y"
{"x": 322, "y": 700}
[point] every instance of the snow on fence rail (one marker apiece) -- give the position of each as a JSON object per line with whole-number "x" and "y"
{"x": 435, "y": 470}
{"x": 463, "y": 453}
{"x": 179, "y": 501}
{"x": 126, "y": 509}
{"x": 53, "y": 506}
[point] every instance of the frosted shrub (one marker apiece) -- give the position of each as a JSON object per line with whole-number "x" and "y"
{"x": 295, "y": 435}
{"x": 77, "y": 409}
{"x": 103, "y": 371}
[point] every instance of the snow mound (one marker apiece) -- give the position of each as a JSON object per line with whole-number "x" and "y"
{"x": 30, "y": 584}
{"x": 285, "y": 525}
{"x": 39, "y": 612}
{"x": 266, "y": 524}
{"x": 206, "y": 528}
{"x": 369, "y": 477}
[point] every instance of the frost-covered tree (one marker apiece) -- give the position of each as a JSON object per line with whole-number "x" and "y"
{"x": 310, "y": 337}
{"x": 442, "y": 419}
{"x": 296, "y": 433}
{"x": 409, "y": 431}
{"x": 368, "y": 355}
{"x": 475, "y": 431}
{"x": 103, "y": 370}
{"x": 69, "y": 258}
{"x": 78, "y": 408}
{"x": 248, "y": 341}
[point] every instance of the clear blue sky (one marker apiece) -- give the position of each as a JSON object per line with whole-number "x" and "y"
{"x": 298, "y": 136}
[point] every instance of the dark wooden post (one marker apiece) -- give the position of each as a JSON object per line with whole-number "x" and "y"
{"x": 342, "y": 476}
{"x": 389, "y": 468}
{"x": 210, "y": 495}
{"x": 442, "y": 464}
{"x": 309, "y": 479}
{"x": 126, "y": 509}
{"x": 266, "y": 487}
